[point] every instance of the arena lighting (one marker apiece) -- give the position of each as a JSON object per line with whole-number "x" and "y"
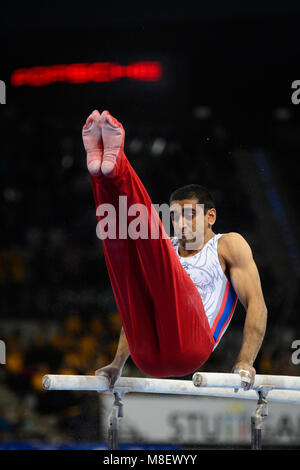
{"x": 86, "y": 72}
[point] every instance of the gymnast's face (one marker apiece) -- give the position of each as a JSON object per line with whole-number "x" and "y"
{"x": 189, "y": 222}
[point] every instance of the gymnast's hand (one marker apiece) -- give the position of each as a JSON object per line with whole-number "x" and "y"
{"x": 111, "y": 373}
{"x": 247, "y": 374}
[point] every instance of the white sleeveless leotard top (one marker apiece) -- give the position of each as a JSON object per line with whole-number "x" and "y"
{"x": 217, "y": 294}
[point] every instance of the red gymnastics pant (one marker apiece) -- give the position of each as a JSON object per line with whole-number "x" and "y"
{"x": 162, "y": 313}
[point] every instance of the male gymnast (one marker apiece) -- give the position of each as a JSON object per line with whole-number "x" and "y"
{"x": 175, "y": 303}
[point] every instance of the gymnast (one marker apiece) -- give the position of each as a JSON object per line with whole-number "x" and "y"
{"x": 175, "y": 296}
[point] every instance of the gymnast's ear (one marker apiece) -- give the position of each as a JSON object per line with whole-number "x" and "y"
{"x": 211, "y": 216}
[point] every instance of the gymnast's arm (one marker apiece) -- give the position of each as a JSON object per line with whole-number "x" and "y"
{"x": 245, "y": 279}
{"x": 123, "y": 352}
{"x": 114, "y": 370}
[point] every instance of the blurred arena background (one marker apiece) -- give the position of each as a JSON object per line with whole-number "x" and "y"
{"x": 218, "y": 112}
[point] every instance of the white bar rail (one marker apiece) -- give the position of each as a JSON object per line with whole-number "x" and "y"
{"x": 285, "y": 389}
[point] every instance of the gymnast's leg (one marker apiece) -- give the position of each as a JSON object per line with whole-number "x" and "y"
{"x": 160, "y": 308}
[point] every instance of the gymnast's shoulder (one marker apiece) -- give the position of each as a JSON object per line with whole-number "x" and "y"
{"x": 233, "y": 244}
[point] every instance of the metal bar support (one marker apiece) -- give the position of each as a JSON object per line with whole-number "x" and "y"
{"x": 113, "y": 422}
{"x": 257, "y": 419}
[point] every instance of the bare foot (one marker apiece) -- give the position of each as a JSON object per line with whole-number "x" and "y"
{"x": 92, "y": 140}
{"x": 113, "y": 136}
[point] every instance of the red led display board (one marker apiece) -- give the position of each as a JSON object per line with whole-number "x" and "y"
{"x": 86, "y": 72}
